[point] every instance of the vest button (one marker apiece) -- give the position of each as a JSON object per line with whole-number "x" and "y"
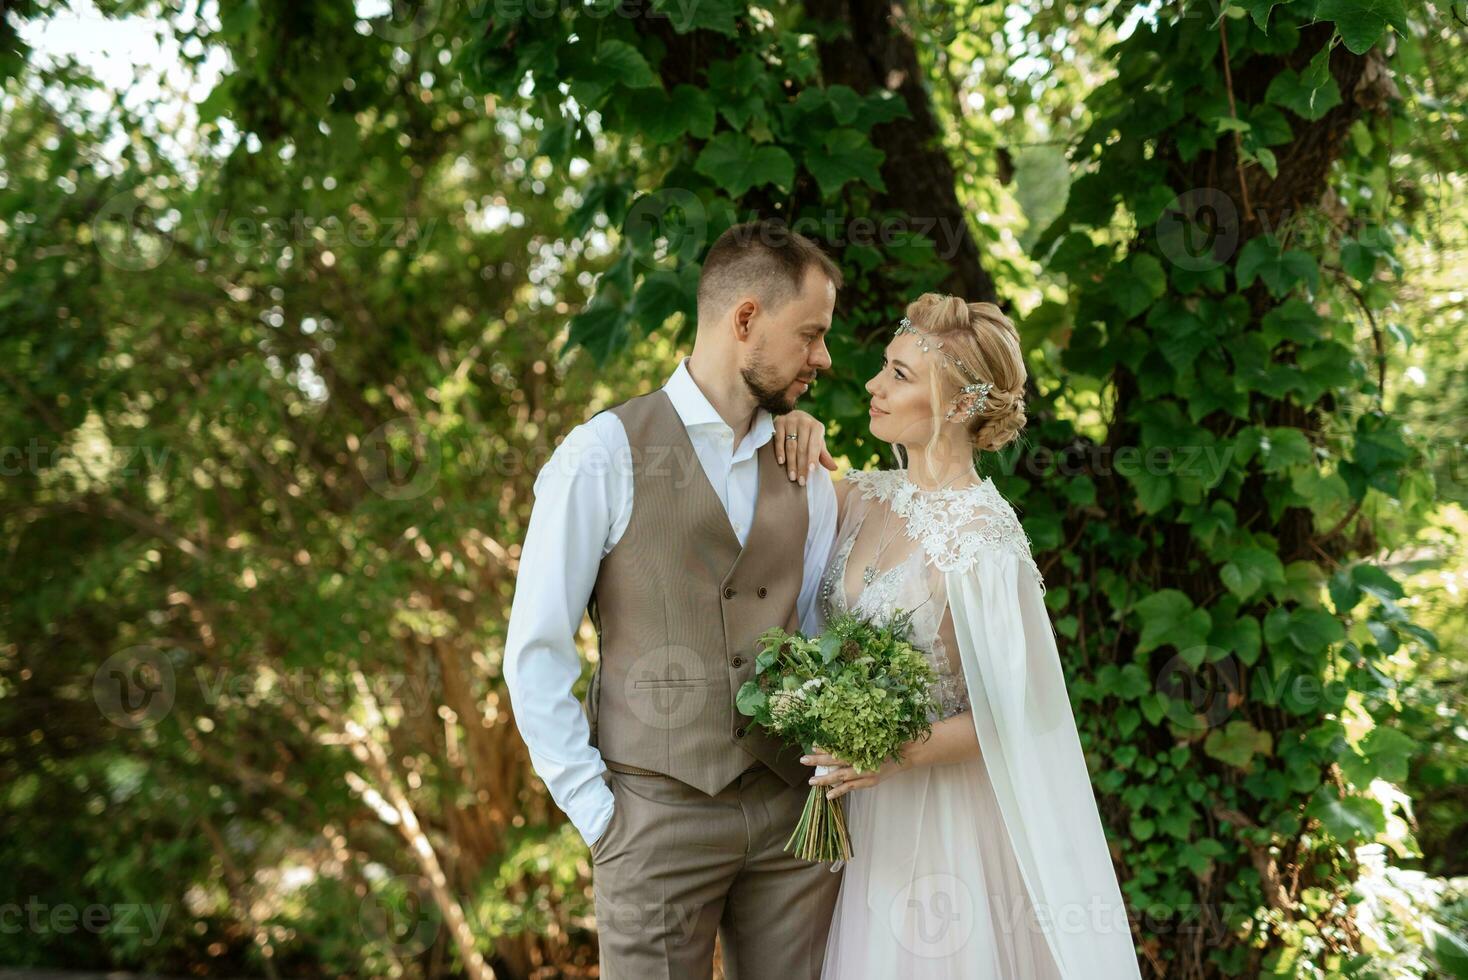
{"x": 738, "y": 661}
{"x": 763, "y": 591}
{"x": 739, "y": 732}
{"x": 728, "y": 593}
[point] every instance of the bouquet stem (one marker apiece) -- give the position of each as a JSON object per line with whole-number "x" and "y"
{"x": 820, "y": 835}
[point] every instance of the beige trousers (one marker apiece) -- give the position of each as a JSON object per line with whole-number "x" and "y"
{"x": 675, "y": 867}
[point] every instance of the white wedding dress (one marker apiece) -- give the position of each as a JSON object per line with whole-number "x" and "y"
{"x": 995, "y": 868}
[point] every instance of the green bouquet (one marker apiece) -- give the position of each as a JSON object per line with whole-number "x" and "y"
{"x": 859, "y": 691}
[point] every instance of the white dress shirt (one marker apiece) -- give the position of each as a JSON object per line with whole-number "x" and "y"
{"x": 583, "y": 502}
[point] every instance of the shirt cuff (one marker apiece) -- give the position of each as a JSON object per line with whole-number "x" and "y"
{"x": 592, "y": 813}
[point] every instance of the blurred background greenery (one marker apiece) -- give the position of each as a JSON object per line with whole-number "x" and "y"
{"x": 296, "y": 298}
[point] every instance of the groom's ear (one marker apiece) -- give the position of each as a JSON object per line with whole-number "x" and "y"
{"x": 745, "y": 312}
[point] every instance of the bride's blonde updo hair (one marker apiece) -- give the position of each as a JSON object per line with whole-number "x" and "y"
{"x": 981, "y": 337}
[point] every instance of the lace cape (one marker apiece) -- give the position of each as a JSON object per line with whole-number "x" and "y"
{"x": 954, "y": 527}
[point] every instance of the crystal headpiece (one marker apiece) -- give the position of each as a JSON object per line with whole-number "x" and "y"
{"x": 928, "y": 343}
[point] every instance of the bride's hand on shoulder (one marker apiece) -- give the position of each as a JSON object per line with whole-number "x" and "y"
{"x": 800, "y": 443}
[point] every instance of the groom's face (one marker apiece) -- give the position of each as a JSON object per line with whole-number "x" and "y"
{"x": 786, "y": 347}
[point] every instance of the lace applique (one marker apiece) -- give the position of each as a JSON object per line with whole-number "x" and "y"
{"x": 954, "y": 526}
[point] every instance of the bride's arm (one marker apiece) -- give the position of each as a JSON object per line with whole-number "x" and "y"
{"x": 954, "y": 739}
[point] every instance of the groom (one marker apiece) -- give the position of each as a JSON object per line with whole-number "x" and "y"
{"x": 669, "y": 518}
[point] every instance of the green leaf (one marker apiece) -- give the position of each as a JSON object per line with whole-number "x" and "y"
{"x": 1259, "y": 10}
{"x": 1361, "y": 22}
{"x": 1143, "y": 281}
{"x": 1392, "y": 750}
{"x": 750, "y": 700}
{"x": 709, "y": 15}
{"x": 1249, "y": 570}
{"x": 1314, "y": 630}
{"x": 1237, "y": 744}
{"x": 830, "y": 647}
{"x": 1377, "y": 582}
{"x": 601, "y": 329}
{"x": 1294, "y": 320}
{"x": 555, "y": 141}
{"x": 1358, "y": 260}
{"x": 1239, "y": 636}
{"x": 1266, "y": 159}
{"x": 1308, "y": 96}
{"x": 1262, "y": 258}
{"x": 1169, "y": 617}
{"x": 666, "y": 118}
{"x": 663, "y": 294}
{"x": 1282, "y": 447}
{"x": 1179, "y": 333}
{"x": 626, "y": 63}
{"x": 847, "y": 155}
{"x": 1349, "y": 818}
{"x": 1270, "y": 127}
{"x": 736, "y": 164}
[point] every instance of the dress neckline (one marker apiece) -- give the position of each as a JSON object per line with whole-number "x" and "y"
{"x": 908, "y": 484}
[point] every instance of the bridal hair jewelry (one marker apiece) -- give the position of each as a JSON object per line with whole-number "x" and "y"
{"x": 928, "y": 343}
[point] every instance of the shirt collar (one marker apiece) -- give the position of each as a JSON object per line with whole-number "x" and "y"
{"x": 694, "y": 408}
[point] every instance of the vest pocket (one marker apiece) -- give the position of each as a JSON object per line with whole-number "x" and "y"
{"x": 673, "y": 682}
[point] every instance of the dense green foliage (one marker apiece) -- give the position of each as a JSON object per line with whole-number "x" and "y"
{"x": 276, "y": 380}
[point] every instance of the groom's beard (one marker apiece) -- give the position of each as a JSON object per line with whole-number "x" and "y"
{"x": 769, "y": 392}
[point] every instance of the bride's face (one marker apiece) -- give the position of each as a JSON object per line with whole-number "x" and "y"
{"x": 902, "y": 402}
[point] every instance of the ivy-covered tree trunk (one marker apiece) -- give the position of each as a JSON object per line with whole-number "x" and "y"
{"x": 1212, "y": 578}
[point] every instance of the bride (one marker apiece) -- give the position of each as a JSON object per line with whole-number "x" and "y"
{"x": 980, "y": 854}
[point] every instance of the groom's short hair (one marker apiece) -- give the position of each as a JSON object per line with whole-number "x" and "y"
{"x": 761, "y": 257}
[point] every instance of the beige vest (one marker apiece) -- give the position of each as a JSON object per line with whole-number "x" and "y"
{"x": 678, "y": 607}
